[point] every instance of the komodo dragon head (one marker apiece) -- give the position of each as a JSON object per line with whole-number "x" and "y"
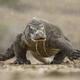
{"x": 35, "y": 30}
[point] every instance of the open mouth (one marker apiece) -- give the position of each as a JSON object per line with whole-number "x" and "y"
{"x": 39, "y": 39}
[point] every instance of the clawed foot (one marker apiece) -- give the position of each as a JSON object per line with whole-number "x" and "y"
{"x": 55, "y": 62}
{"x": 22, "y": 62}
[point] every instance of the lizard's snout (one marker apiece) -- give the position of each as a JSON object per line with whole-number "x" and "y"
{"x": 39, "y": 36}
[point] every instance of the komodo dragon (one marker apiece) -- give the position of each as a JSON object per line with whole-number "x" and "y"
{"x": 44, "y": 40}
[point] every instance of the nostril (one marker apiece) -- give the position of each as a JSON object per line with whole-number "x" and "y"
{"x": 37, "y": 34}
{"x": 40, "y": 34}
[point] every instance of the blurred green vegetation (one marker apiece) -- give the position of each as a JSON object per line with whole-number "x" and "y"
{"x": 8, "y": 2}
{"x": 13, "y": 4}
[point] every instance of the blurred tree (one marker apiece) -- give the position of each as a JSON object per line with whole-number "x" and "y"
{"x": 13, "y": 4}
{"x": 8, "y": 2}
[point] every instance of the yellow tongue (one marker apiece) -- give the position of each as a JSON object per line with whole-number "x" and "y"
{"x": 41, "y": 49}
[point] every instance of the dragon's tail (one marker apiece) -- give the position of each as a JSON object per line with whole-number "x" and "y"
{"x": 75, "y": 55}
{"x": 8, "y": 54}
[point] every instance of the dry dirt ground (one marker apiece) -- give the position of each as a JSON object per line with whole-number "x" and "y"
{"x": 66, "y": 71}
{"x": 13, "y": 18}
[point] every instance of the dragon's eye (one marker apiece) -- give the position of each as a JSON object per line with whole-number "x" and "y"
{"x": 32, "y": 28}
{"x": 41, "y": 25}
{"x": 42, "y": 28}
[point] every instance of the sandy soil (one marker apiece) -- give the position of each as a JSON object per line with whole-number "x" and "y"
{"x": 67, "y": 70}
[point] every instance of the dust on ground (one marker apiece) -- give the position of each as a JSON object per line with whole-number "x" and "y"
{"x": 38, "y": 71}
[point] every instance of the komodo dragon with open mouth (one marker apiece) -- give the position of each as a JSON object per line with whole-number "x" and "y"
{"x": 44, "y": 40}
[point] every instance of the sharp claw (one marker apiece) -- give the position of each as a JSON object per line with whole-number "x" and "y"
{"x": 22, "y": 62}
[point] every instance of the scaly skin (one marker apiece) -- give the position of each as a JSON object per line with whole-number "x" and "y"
{"x": 43, "y": 39}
